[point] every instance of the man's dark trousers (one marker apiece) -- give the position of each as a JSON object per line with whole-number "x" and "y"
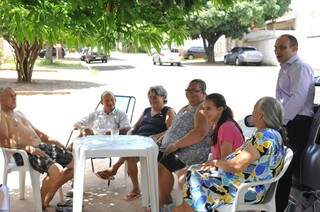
{"x": 298, "y": 134}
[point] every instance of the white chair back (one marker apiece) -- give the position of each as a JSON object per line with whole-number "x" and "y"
{"x": 11, "y": 166}
{"x": 269, "y": 203}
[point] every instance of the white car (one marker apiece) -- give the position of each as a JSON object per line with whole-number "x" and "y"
{"x": 171, "y": 56}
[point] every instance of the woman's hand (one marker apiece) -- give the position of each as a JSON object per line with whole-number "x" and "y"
{"x": 170, "y": 149}
{"x": 208, "y": 165}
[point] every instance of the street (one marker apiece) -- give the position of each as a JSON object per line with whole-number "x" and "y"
{"x": 133, "y": 74}
{"x": 65, "y": 96}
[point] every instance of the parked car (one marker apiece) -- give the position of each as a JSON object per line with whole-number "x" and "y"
{"x": 243, "y": 55}
{"x": 42, "y": 52}
{"x": 195, "y": 52}
{"x": 83, "y": 53}
{"x": 171, "y": 56}
{"x": 95, "y": 56}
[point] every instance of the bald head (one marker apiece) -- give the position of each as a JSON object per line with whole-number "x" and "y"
{"x": 7, "y": 99}
{"x": 108, "y": 100}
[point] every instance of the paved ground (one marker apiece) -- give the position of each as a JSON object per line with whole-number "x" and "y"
{"x": 74, "y": 93}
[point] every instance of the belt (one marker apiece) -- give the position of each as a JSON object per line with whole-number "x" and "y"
{"x": 302, "y": 117}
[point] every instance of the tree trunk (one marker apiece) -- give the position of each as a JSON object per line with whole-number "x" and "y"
{"x": 211, "y": 39}
{"x": 48, "y": 55}
{"x": 25, "y": 56}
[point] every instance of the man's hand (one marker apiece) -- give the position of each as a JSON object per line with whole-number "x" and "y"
{"x": 87, "y": 131}
{"x": 36, "y": 151}
{"x": 170, "y": 149}
{"x": 59, "y": 145}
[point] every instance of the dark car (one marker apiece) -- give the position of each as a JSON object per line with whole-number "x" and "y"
{"x": 54, "y": 52}
{"x": 195, "y": 52}
{"x": 95, "y": 56}
{"x": 243, "y": 55}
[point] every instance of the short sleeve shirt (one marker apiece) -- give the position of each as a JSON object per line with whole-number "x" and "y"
{"x": 100, "y": 121}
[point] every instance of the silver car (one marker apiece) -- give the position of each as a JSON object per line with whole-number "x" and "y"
{"x": 243, "y": 55}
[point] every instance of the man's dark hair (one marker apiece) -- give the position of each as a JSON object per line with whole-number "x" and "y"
{"x": 292, "y": 40}
{"x": 201, "y": 83}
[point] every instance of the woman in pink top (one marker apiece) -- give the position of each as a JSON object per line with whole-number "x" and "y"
{"x": 227, "y": 135}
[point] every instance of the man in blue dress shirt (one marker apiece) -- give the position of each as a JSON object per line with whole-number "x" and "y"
{"x": 295, "y": 90}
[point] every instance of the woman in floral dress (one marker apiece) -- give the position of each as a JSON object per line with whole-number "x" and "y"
{"x": 215, "y": 183}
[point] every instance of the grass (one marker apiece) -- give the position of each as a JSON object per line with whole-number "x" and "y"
{"x": 42, "y": 64}
{"x": 59, "y": 64}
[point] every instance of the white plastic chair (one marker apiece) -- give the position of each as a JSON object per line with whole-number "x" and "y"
{"x": 269, "y": 203}
{"x": 11, "y": 166}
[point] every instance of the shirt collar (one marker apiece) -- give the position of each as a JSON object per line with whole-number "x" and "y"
{"x": 290, "y": 61}
{"x": 111, "y": 113}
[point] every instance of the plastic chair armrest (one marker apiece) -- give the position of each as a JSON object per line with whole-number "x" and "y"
{"x": 23, "y": 153}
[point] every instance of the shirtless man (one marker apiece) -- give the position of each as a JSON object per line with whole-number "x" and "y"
{"x": 45, "y": 154}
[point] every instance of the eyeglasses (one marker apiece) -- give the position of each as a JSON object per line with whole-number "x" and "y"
{"x": 192, "y": 91}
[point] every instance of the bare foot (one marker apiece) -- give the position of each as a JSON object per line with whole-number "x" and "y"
{"x": 106, "y": 174}
{"x": 133, "y": 195}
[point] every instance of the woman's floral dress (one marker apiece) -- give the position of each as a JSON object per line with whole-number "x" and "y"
{"x": 207, "y": 190}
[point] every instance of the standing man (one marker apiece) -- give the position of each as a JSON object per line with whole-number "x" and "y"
{"x": 295, "y": 90}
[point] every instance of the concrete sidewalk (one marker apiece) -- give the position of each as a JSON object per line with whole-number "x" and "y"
{"x": 98, "y": 197}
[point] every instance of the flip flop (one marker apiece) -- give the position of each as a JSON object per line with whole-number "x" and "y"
{"x": 132, "y": 196}
{"x": 101, "y": 176}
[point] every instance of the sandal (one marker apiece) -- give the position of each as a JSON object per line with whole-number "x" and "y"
{"x": 101, "y": 175}
{"x": 132, "y": 196}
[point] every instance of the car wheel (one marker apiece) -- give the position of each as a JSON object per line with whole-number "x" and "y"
{"x": 225, "y": 61}
{"x": 178, "y": 64}
{"x": 171, "y": 64}
{"x": 154, "y": 62}
{"x": 238, "y": 62}
{"x": 190, "y": 57}
{"x": 160, "y": 62}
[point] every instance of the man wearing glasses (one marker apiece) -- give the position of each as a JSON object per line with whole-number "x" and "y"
{"x": 186, "y": 142}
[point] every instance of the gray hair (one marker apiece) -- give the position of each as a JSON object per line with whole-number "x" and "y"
{"x": 272, "y": 112}
{"x": 159, "y": 91}
{"x": 106, "y": 93}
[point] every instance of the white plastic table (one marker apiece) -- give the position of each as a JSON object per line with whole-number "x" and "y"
{"x": 118, "y": 146}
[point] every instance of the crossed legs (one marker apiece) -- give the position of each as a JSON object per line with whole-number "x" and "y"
{"x": 56, "y": 177}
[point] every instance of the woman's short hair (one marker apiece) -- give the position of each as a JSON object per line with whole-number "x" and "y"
{"x": 159, "y": 90}
{"x": 272, "y": 112}
{"x": 201, "y": 83}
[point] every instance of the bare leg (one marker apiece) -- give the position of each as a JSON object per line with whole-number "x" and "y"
{"x": 133, "y": 174}
{"x": 183, "y": 208}
{"x": 105, "y": 174}
{"x": 166, "y": 181}
{"x": 56, "y": 177}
